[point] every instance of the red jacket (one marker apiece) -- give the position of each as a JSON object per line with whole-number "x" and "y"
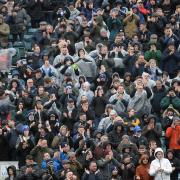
{"x": 143, "y": 11}
{"x": 173, "y": 134}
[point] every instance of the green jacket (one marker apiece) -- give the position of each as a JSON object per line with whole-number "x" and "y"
{"x": 166, "y": 101}
{"x": 153, "y": 55}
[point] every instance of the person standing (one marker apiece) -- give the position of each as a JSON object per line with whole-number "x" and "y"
{"x": 161, "y": 167}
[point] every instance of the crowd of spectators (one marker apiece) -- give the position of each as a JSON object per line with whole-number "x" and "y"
{"x": 97, "y": 94}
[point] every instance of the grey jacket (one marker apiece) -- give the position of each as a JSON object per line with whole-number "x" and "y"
{"x": 104, "y": 123}
{"x": 106, "y": 167}
{"x": 87, "y": 67}
{"x": 119, "y": 105}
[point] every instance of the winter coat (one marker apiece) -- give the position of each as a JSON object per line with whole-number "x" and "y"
{"x": 142, "y": 170}
{"x": 21, "y": 152}
{"x": 38, "y": 38}
{"x": 114, "y": 137}
{"x": 166, "y": 101}
{"x": 114, "y": 25}
{"x": 163, "y": 164}
{"x": 4, "y": 30}
{"x": 170, "y": 63}
{"x": 140, "y": 103}
{"x": 19, "y": 22}
{"x": 130, "y": 25}
{"x": 12, "y": 137}
{"x": 49, "y": 71}
{"x": 89, "y": 94}
{"x": 34, "y": 61}
{"x": 139, "y": 140}
{"x": 88, "y": 13}
{"x": 87, "y": 67}
{"x": 174, "y": 38}
{"x": 58, "y": 60}
{"x": 73, "y": 70}
{"x": 173, "y": 135}
{"x": 153, "y": 55}
{"x": 130, "y": 145}
{"x": 158, "y": 95}
{"x": 92, "y": 176}
{"x": 106, "y": 167}
{"x": 175, "y": 163}
{"x": 35, "y": 9}
{"x": 108, "y": 62}
{"x": 95, "y": 32}
{"x": 119, "y": 105}
{"x": 35, "y": 175}
{"x": 152, "y": 134}
{"x": 129, "y": 62}
{"x": 104, "y": 124}
{"x": 99, "y": 104}
{"x": 56, "y": 166}
{"x": 128, "y": 173}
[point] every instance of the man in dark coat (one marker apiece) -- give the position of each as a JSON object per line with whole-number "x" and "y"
{"x": 116, "y": 134}
{"x": 92, "y": 173}
{"x": 30, "y": 171}
{"x": 170, "y": 60}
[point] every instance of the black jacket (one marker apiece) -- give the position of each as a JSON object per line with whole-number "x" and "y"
{"x": 175, "y": 163}
{"x": 158, "y": 95}
{"x": 114, "y": 137}
{"x": 170, "y": 63}
{"x": 92, "y": 176}
{"x": 35, "y": 175}
{"x": 99, "y": 104}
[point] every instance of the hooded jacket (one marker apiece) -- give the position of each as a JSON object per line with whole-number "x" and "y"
{"x": 119, "y": 105}
{"x": 173, "y": 135}
{"x": 164, "y": 164}
{"x": 152, "y": 134}
{"x": 87, "y": 66}
{"x": 114, "y": 136}
{"x": 142, "y": 169}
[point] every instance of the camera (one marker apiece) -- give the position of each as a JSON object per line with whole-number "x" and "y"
{"x": 63, "y": 12}
{"x": 22, "y": 62}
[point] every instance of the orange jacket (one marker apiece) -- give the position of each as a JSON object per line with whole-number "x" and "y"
{"x": 142, "y": 172}
{"x": 173, "y": 134}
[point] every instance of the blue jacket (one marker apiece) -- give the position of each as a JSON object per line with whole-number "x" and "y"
{"x": 56, "y": 165}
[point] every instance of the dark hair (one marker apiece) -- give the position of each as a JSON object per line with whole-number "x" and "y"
{"x": 93, "y": 161}
{"x": 81, "y": 50}
{"x": 13, "y": 169}
{"x": 29, "y": 157}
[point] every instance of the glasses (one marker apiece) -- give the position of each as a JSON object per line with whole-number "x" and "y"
{"x": 30, "y": 82}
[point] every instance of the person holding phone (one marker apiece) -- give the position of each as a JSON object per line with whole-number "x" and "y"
{"x": 173, "y": 135}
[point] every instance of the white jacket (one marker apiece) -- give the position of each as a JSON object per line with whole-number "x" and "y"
{"x": 163, "y": 164}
